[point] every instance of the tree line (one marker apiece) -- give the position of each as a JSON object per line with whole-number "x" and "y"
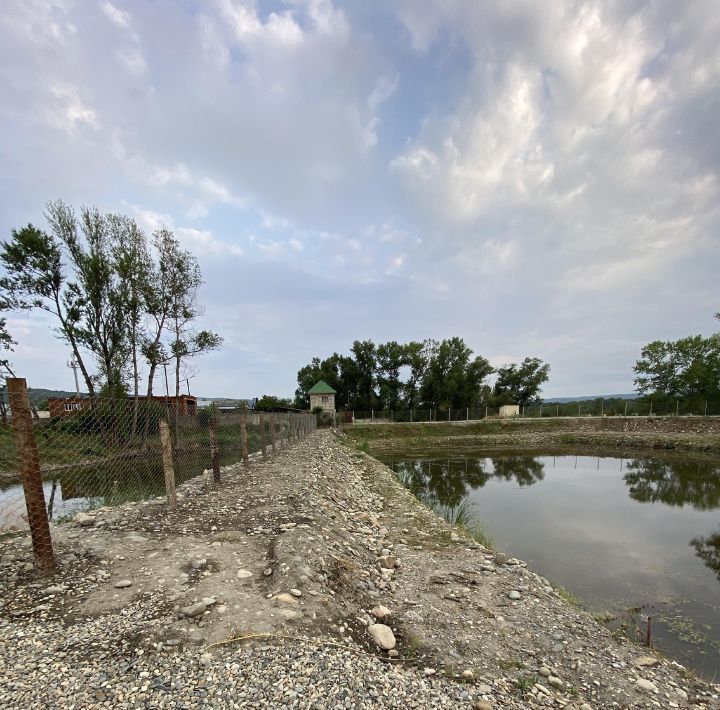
{"x": 126, "y": 304}
{"x": 420, "y": 375}
{"x": 687, "y": 369}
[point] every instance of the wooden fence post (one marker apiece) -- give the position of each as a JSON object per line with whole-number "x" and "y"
{"x": 168, "y": 468}
{"x": 29, "y": 464}
{"x": 263, "y": 442}
{"x": 214, "y": 453}
{"x": 244, "y": 437}
{"x": 272, "y": 431}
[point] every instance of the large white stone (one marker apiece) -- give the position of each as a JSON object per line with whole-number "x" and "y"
{"x": 382, "y": 635}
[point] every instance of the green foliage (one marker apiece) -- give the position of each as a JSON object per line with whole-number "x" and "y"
{"x": 453, "y": 378}
{"x": 685, "y": 368}
{"x": 395, "y": 376}
{"x": 520, "y": 384}
{"x": 108, "y": 294}
{"x": 207, "y": 415}
{"x": 268, "y": 403}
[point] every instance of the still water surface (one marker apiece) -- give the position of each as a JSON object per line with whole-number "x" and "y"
{"x": 635, "y": 537}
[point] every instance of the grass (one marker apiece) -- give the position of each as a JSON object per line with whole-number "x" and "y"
{"x": 508, "y": 664}
{"x": 524, "y": 684}
{"x": 462, "y": 516}
{"x": 568, "y": 596}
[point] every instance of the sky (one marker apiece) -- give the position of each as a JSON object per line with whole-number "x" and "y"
{"x": 540, "y": 179}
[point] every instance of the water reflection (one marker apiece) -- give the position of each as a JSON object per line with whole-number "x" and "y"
{"x": 708, "y": 550}
{"x": 675, "y": 483}
{"x": 634, "y": 534}
{"x": 446, "y": 483}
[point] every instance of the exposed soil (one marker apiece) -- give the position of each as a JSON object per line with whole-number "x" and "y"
{"x": 304, "y": 545}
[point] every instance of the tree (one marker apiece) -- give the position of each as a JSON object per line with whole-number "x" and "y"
{"x": 453, "y": 378}
{"x": 183, "y": 281}
{"x": 365, "y": 356}
{"x": 391, "y": 357}
{"x": 35, "y": 278}
{"x": 416, "y": 359}
{"x": 521, "y": 384}
{"x": 133, "y": 267}
{"x": 269, "y": 403}
{"x": 689, "y": 367}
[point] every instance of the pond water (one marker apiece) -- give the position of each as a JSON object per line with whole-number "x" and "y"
{"x": 87, "y": 486}
{"x": 634, "y": 537}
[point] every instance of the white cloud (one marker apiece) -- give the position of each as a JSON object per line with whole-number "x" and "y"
{"x": 115, "y": 14}
{"x": 68, "y": 111}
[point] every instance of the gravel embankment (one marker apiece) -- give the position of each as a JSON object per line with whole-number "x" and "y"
{"x": 311, "y": 580}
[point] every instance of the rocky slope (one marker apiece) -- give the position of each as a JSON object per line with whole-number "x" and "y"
{"x": 311, "y": 580}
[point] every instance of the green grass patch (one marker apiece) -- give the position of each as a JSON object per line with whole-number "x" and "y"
{"x": 568, "y": 596}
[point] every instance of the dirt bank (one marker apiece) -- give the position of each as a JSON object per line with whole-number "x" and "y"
{"x": 698, "y": 435}
{"x": 286, "y": 568}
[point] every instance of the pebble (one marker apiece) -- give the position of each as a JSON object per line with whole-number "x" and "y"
{"x": 295, "y": 592}
{"x": 380, "y": 612}
{"x": 123, "y": 583}
{"x": 500, "y": 558}
{"x": 646, "y": 685}
{"x": 468, "y": 674}
{"x": 514, "y": 595}
{"x": 382, "y": 636}
{"x": 194, "y": 609}
{"x": 483, "y": 705}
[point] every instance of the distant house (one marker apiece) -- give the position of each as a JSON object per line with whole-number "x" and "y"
{"x": 68, "y": 406}
{"x": 322, "y": 396}
{"x": 509, "y": 410}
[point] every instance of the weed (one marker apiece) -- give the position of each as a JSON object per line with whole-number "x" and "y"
{"x": 524, "y": 684}
{"x": 569, "y": 597}
{"x": 413, "y": 643}
{"x": 508, "y": 664}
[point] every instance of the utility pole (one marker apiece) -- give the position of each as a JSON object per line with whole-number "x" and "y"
{"x": 72, "y": 363}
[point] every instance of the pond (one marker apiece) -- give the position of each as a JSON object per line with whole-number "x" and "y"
{"x": 85, "y": 486}
{"x": 632, "y": 537}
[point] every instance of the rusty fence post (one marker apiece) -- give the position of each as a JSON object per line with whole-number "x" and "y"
{"x": 168, "y": 468}
{"x": 29, "y": 463}
{"x": 272, "y": 432}
{"x": 263, "y": 435}
{"x": 244, "y": 437}
{"x": 214, "y": 451}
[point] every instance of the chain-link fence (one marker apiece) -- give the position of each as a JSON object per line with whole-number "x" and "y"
{"x": 102, "y": 452}
{"x": 661, "y": 407}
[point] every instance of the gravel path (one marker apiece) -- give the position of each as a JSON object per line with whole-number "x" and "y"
{"x": 306, "y": 551}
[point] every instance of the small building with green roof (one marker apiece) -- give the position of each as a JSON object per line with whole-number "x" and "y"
{"x": 322, "y": 396}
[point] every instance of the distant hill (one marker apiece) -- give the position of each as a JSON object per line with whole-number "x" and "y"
{"x": 588, "y": 398}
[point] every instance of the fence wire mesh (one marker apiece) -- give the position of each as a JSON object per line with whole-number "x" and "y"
{"x": 667, "y": 407}
{"x": 102, "y": 452}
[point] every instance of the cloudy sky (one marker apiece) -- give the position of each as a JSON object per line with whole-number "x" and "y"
{"x": 538, "y": 178}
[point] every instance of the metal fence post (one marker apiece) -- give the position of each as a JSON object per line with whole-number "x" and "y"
{"x": 214, "y": 452}
{"x": 263, "y": 442}
{"x": 705, "y": 409}
{"x": 244, "y": 437}
{"x": 168, "y": 469}
{"x": 467, "y": 414}
{"x": 626, "y": 404}
{"x": 29, "y": 462}
{"x": 486, "y": 412}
